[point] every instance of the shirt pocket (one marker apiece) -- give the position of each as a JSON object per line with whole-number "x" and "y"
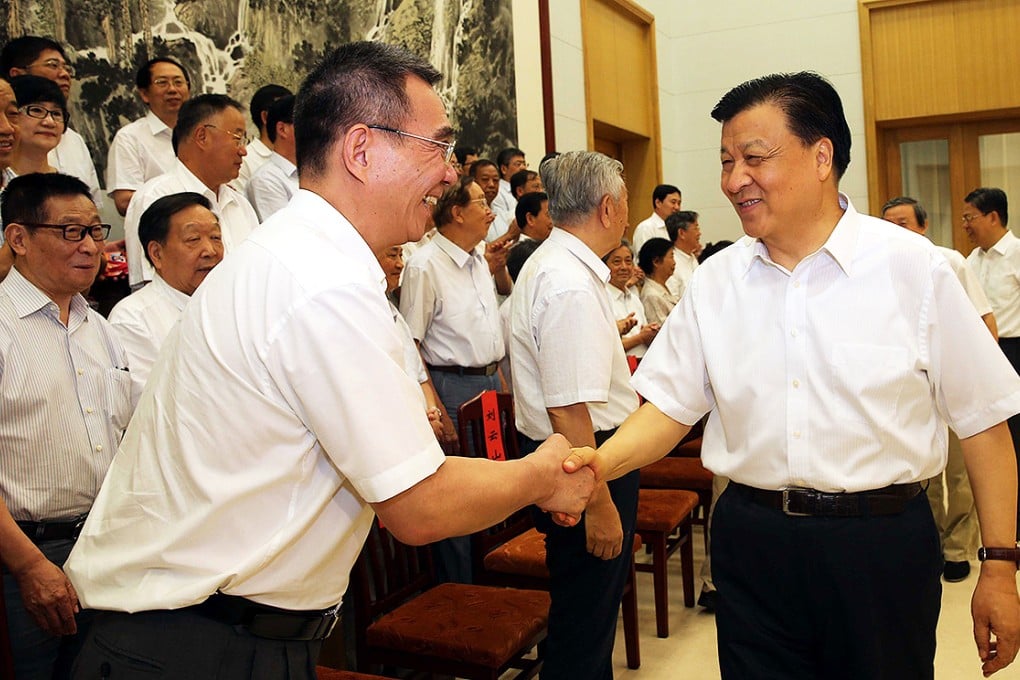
{"x": 867, "y": 381}
{"x": 118, "y": 398}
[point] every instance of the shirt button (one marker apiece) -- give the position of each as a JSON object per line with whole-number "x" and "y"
{"x": 793, "y": 333}
{"x": 796, "y": 383}
{"x": 796, "y": 434}
{"x": 89, "y": 411}
{"x": 81, "y": 372}
{"x": 99, "y": 448}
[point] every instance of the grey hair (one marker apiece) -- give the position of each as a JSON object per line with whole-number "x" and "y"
{"x": 577, "y": 181}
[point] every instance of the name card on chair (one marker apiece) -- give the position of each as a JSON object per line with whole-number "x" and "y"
{"x": 492, "y": 426}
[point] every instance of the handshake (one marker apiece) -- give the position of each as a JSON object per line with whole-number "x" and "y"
{"x": 573, "y": 475}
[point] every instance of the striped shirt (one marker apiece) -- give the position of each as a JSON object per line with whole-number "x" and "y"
{"x": 65, "y": 398}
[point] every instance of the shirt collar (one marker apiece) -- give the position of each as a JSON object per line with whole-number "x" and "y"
{"x": 176, "y": 297}
{"x": 156, "y": 126}
{"x": 459, "y": 256}
{"x": 279, "y": 161}
{"x": 1003, "y": 244}
{"x": 655, "y": 219}
{"x": 617, "y": 294}
{"x": 841, "y": 244}
{"x": 257, "y": 147}
{"x": 27, "y": 299}
{"x": 581, "y": 251}
{"x": 225, "y": 196}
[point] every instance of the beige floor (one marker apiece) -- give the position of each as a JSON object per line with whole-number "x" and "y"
{"x": 690, "y": 650}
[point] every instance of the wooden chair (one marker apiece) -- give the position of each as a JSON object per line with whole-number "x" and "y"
{"x": 324, "y": 673}
{"x": 512, "y": 552}
{"x": 403, "y": 619}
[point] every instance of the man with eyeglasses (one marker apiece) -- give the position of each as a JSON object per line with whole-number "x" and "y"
{"x": 279, "y": 418}
{"x": 209, "y": 141}
{"x": 996, "y": 261}
{"x": 38, "y": 56}
{"x": 143, "y": 148}
{"x": 65, "y": 399}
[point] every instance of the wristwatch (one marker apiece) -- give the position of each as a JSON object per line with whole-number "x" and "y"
{"x": 1005, "y": 554}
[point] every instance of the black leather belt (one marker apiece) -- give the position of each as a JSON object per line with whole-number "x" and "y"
{"x": 54, "y": 530}
{"x": 800, "y": 502}
{"x": 265, "y": 621}
{"x": 467, "y": 370}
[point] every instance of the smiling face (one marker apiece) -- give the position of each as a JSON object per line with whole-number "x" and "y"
{"x": 41, "y": 134}
{"x": 668, "y": 205}
{"x": 772, "y": 179}
{"x": 392, "y": 262}
{"x": 194, "y": 245}
{"x": 167, "y": 91}
{"x": 9, "y": 120}
{"x": 621, "y": 266}
{"x": 984, "y": 230}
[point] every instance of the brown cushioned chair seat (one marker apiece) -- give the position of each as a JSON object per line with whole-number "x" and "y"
{"x": 486, "y": 625}
{"x": 673, "y": 473}
{"x": 323, "y": 673}
{"x": 663, "y": 509}
{"x": 525, "y": 555}
{"x": 690, "y": 449}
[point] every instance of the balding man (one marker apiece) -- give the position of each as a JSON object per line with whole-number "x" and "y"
{"x": 209, "y": 141}
{"x": 8, "y": 138}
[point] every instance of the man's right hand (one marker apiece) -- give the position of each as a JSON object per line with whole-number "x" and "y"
{"x": 48, "y": 596}
{"x": 572, "y": 490}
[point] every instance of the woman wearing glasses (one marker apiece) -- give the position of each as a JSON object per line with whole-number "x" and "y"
{"x": 42, "y": 119}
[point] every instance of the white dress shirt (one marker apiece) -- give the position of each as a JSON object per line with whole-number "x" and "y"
{"x": 998, "y": 270}
{"x": 65, "y": 398}
{"x": 564, "y": 342}
{"x": 657, "y": 300}
{"x": 413, "y": 365}
{"x": 236, "y": 216}
{"x": 839, "y": 375}
{"x": 72, "y": 157}
{"x": 278, "y": 411}
{"x": 505, "y": 204}
{"x": 142, "y": 321}
{"x": 448, "y": 298}
{"x": 257, "y": 156}
{"x": 968, "y": 279}
{"x": 140, "y": 151}
{"x": 652, "y": 226}
{"x": 685, "y": 266}
{"x": 625, "y": 303}
{"x": 272, "y": 186}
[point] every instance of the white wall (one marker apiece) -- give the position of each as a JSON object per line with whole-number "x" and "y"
{"x": 704, "y": 49}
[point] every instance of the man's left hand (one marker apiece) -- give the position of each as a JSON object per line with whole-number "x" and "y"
{"x": 995, "y": 608}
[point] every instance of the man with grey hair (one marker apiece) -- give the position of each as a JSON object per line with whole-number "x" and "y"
{"x": 571, "y": 377}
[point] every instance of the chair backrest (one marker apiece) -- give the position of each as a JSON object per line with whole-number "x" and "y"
{"x": 387, "y": 574}
{"x": 486, "y": 427}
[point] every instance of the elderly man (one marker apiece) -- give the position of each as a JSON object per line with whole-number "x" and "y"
{"x": 824, "y": 552}
{"x": 66, "y": 397}
{"x": 665, "y": 201}
{"x": 8, "y": 144}
{"x": 571, "y": 377}
{"x": 209, "y": 143}
{"x": 279, "y": 415}
{"x": 182, "y": 241}
{"x": 143, "y": 149}
{"x": 37, "y": 56}
{"x": 684, "y": 232}
{"x": 276, "y": 181}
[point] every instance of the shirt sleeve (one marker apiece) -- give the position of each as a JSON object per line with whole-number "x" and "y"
{"x": 136, "y": 339}
{"x": 417, "y": 300}
{"x": 123, "y": 164}
{"x": 265, "y": 195}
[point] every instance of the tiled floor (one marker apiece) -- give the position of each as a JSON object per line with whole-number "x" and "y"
{"x": 690, "y": 650}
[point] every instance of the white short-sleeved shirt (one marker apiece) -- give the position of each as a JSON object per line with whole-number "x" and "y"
{"x": 968, "y": 279}
{"x": 652, "y": 226}
{"x": 278, "y": 411}
{"x": 625, "y": 303}
{"x": 448, "y": 299}
{"x": 564, "y": 343}
{"x": 272, "y": 186}
{"x": 72, "y": 157}
{"x": 140, "y": 150}
{"x": 998, "y": 270}
{"x": 413, "y": 365}
{"x": 657, "y": 300}
{"x": 685, "y": 266}
{"x": 839, "y": 375}
{"x": 505, "y": 204}
{"x": 142, "y": 321}
{"x": 236, "y": 216}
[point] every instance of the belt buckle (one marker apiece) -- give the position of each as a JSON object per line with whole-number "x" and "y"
{"x": 786, "y": 502}
{"x": 328, "y": 622}
{"x": 79, "y": 523}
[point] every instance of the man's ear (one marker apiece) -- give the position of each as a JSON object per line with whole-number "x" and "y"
{"x": 17, "y": 235}
{"x": 824, "y": 158}
{"x": 155, "y": 250}
{"x": 355, "y": 151}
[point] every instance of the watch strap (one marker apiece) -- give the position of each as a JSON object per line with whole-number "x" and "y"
{"x": 1004, "y": 554}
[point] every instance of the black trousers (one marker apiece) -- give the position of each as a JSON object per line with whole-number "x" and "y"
{"x": 825, "y": 598}
{"x": 1011, "y": 348}
{"x": 184, "y": 644}
{"x": 585, "y": 590}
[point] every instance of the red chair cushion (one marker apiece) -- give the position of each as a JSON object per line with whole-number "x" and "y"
{"x": 522, "y": 555}
{"x": 663, "y": 509}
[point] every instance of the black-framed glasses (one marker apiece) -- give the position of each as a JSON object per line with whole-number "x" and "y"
{"x": 446, "y": 147}
{"x": 240, "y": 138}
{"x": 55, "y": 65}
{"x": 40, "y": 112}
{"x": 76, "y": 232}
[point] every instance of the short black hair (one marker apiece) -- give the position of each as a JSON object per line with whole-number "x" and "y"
{"x": 457, "y": 194}
{"x": 24, "y": 199}
{"x": 21, "y": 52}
{"x": 919, "y": 212}
{"x": 361, "y": 82}
{"x": 154, "y": 224}
{"x": 683, "y": 219}
{"x": 810, "y": 103}
{"x": 520, "y": 178}
{"x": 280, "y": 111}
{"x": 197, "y": 110}
{"x": 477, "y": 166}
{"x": 653, "y": 249}
{"x": 529, "y": 204}
{"x": 143, "y": 78}
{"x": 518, "y": 255}
{"x": 989, "y": 199}
{"x": 36, "y": 89}
{"x": 462, "y": 152}
{"x": 660, "y": 192}
{"x": 506, "y": 155}
{"x": 711, "y": 249}
{"x": 263, "y": 99}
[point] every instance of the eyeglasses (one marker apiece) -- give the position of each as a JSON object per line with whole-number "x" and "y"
{"x": 240, "y": 138}
{"x": 163, "y": 83}
{"x": 40, "y": 112}
{"x": 55, "y": 65}
{"x": 76, "y": 232}
{"x": 447, "y": 147}
{"x": 968, "y": 217}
